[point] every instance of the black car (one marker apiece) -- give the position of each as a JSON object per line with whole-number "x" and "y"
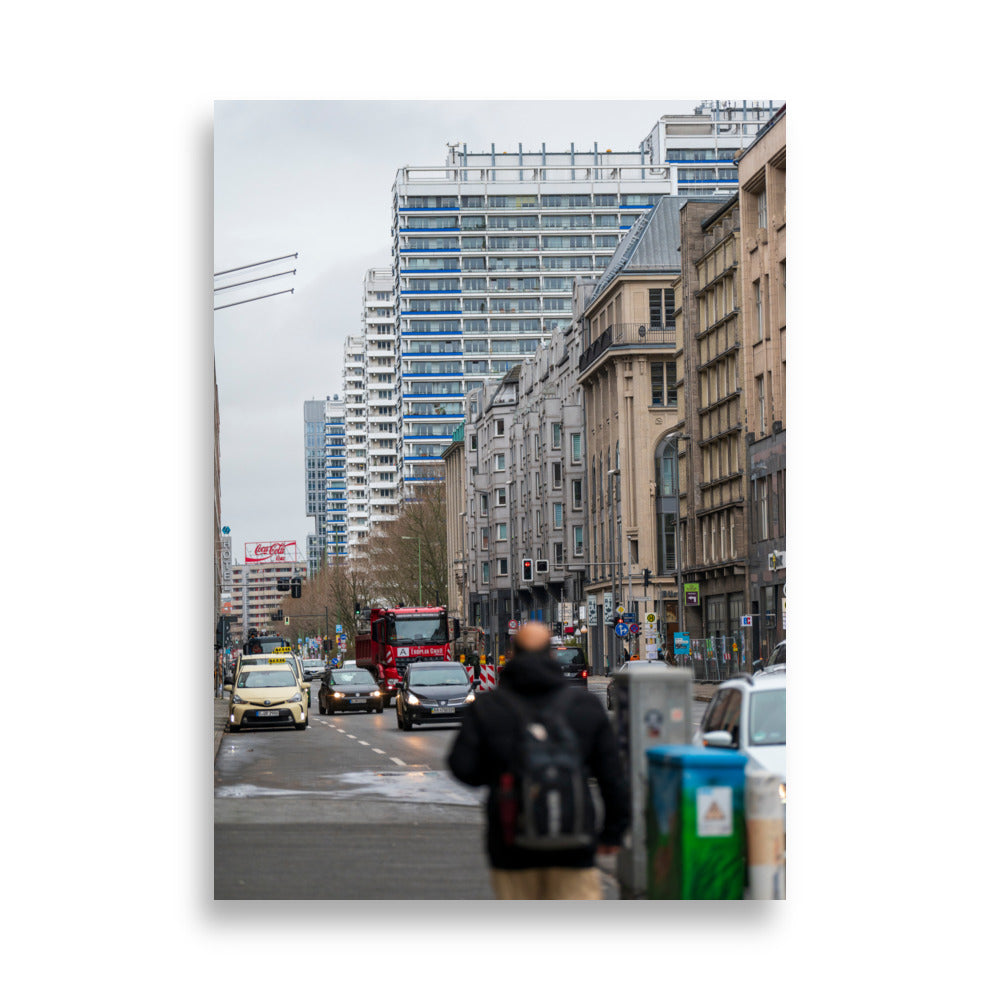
{"x": 311, "y": 669}
{"x": 349, "y": 691}
{"x": 433, "y": 692}
{"x": 573, "y": 662}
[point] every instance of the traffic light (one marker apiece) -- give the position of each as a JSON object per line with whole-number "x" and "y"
{"x": 526, "y": 571}
{"x": 286, "y": 620}
{"x": 296, "y": 586}
{"x": 276, "y": 616}
{"x": 328, "y": 645}
{"x": 645, "y": 578}
{"x": 284, "y": 583}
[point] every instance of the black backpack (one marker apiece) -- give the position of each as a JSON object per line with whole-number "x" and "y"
{"x": 545, "y": 801}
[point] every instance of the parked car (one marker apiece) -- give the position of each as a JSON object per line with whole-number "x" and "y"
{"x": 776, "y": 660}
{"x": 573, "y": 662}
{"x": 349, "y": 691}
{"x": 748, "y": 714}
{"x": 437, "y": 691}
{"x": 266, "y": 694}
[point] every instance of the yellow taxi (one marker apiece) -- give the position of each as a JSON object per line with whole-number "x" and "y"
{"x": 287, "y": 653}
{"x": 266, "y": 694}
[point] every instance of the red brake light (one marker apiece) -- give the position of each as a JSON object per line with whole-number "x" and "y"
{"x": 584, "y": 673}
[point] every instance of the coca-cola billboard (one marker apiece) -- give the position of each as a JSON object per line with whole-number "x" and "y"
{"x": 262, "y": 552}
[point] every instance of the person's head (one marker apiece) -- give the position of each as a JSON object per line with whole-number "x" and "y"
{"x": 532, "y": 637}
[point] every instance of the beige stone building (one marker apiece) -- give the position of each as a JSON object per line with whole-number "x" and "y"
{"x": 762, "y": 264}
{"x": 714, "y": 532}
{"x": 629, "y": 370}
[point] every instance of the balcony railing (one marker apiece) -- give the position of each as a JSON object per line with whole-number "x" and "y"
{"x": 628, "y": 335}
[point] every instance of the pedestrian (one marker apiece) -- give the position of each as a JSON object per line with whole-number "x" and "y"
{"x": 489, "y": 751}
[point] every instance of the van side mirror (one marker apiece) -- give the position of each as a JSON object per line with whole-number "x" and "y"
{"x": 718, "y": 738}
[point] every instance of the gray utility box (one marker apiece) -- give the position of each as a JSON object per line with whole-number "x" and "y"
{"x": 652, "y": 707}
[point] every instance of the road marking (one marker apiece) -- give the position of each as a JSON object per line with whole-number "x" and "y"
{"x": 362, "y": 742}
{"x": 396, "y": 760}
{"x": 376, "y": 749}
{"x": 349, "y": 736}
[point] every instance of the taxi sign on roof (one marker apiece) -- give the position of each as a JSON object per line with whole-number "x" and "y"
{"x": 282, "y": 649}
{"x": 277, "y": 659}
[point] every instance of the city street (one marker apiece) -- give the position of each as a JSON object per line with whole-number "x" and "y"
{"x": 351, "y": 808}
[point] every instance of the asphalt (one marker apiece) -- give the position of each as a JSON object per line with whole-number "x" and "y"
{"x": 701, "y": 692}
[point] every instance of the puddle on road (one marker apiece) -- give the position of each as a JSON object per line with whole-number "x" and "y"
{"x": 435, "y": 787}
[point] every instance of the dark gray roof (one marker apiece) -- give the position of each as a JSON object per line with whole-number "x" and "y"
{"x": 652, "y": 244}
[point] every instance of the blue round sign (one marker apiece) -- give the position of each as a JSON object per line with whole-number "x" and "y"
{"x": 621, "y": 629}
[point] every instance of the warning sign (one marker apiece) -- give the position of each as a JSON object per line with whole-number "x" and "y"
{"x": 715, "y": 811}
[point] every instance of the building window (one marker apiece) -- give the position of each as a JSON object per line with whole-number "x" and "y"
{"x": 759, "y": 306}
{"x": 760, "y": 489}
{"x": 557, "y": 475}
{"x": 501, "y": 496}
{"x": 557, "y": 515}
{"x": 576, "y": 447}
{"x": 557, "y": 435}
{"x": 484, "y": 538}
{"x": 760, "y": 403}
{"x": 578, "y": 540}
{"x": 576, "y": 488}
{"x": 502, "y": 566}
{"x": 663, "y": 383}
{"x": 762, "y": 209}
{"x": 501, "y": 532}
{"x": 498, "y": 428}
{"x": 655, "y": 307}
{"x": 485, "y": 567}
{"x": 557, "y": 553}
{"x": 484, "y": 504}
{"x": 666, "y": 543}
{"x": 500, "y": 462}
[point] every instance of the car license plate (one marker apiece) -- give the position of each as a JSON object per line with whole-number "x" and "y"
{"x": 441, "y": 711}
{"x": 358, "y": 701}
{"x": 269, "y": 711}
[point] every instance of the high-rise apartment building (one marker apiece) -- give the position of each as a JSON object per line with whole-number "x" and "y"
{"x": 314, "y": 417}
{"x": 356, "y": 440}
{"x": 326, "y": 479}
{"x": 487, "y": 247}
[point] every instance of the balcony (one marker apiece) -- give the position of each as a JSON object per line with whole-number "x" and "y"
{"x": 628, "y": 335}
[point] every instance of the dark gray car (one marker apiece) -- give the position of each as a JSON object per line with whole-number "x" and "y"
{"x": 349, "y": 691}
{"x": 438, "y": 692}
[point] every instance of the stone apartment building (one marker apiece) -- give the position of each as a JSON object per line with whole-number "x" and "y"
{"x": 714, "y": 547}
{"x": 762, "y": 266}
{"x": 456, "y": 481}
{"x": 629, "y": 371}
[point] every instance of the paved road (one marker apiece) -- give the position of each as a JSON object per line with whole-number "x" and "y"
{"x": 350, "y": 808}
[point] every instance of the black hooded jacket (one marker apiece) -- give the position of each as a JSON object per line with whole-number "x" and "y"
{"x": 484, "y": 750}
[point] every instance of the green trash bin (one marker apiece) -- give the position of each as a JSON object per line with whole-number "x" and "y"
{"x": 695, "y": 823}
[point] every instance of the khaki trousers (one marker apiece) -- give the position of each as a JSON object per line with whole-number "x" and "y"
{"x": 546, "y": 883}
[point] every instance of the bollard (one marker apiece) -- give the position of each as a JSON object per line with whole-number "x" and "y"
{"x": 765, "y": 817}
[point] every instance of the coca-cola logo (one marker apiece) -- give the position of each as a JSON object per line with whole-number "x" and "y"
{"x": 264, "y": 551}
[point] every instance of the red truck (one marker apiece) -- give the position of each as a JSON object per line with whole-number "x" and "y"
{"x": 389, "y": 639}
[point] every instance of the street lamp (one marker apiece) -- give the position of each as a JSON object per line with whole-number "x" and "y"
{"x": 420, "y": 575}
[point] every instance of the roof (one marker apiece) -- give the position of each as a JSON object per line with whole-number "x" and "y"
{"x": 652, "y": 244}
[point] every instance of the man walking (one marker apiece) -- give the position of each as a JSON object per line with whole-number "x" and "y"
{"x": 532, "y": 690}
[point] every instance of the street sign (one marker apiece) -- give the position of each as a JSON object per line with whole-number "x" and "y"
{"x": 621, "y": 629}
{"x": 682, "y": 642}
{"x": 512, "y": 623}
{"x": 746, "y": 621}
{"x": 651, "y": 618}
{"x": 340, "y": 628}
{"x": 628, "y": 617}
{"x": 634, "y": 628}
{"x": 620, "y": 609}
{"x": 691, "y": 594}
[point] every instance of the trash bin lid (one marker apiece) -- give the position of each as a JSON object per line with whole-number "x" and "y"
{"x": 683, "y": 755}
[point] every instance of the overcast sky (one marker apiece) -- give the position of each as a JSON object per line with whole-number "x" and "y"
{"x": 315, "y": 178}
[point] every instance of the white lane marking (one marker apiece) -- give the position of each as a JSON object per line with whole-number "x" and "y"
{"x": 349, "y": 736}
{"x": 376, "y": 749}
{"x": 396, "y": 760}
{"x": 362, "y": 742}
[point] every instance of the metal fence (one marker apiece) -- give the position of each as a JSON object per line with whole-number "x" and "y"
{"x": 717, "y": 658}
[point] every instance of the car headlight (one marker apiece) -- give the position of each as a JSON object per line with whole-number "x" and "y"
{"x": 781, "y": 792}
{"x": 338, "y": 694}
{"x": 237, "y": 700}
{"x": 412, "y": 699}
{"x": 296, "y": 697}
{"x": 374, "y": 694}
{"x": 471, "y": 696}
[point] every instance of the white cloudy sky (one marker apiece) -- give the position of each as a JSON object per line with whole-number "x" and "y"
{"x": 315, "y": 178}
